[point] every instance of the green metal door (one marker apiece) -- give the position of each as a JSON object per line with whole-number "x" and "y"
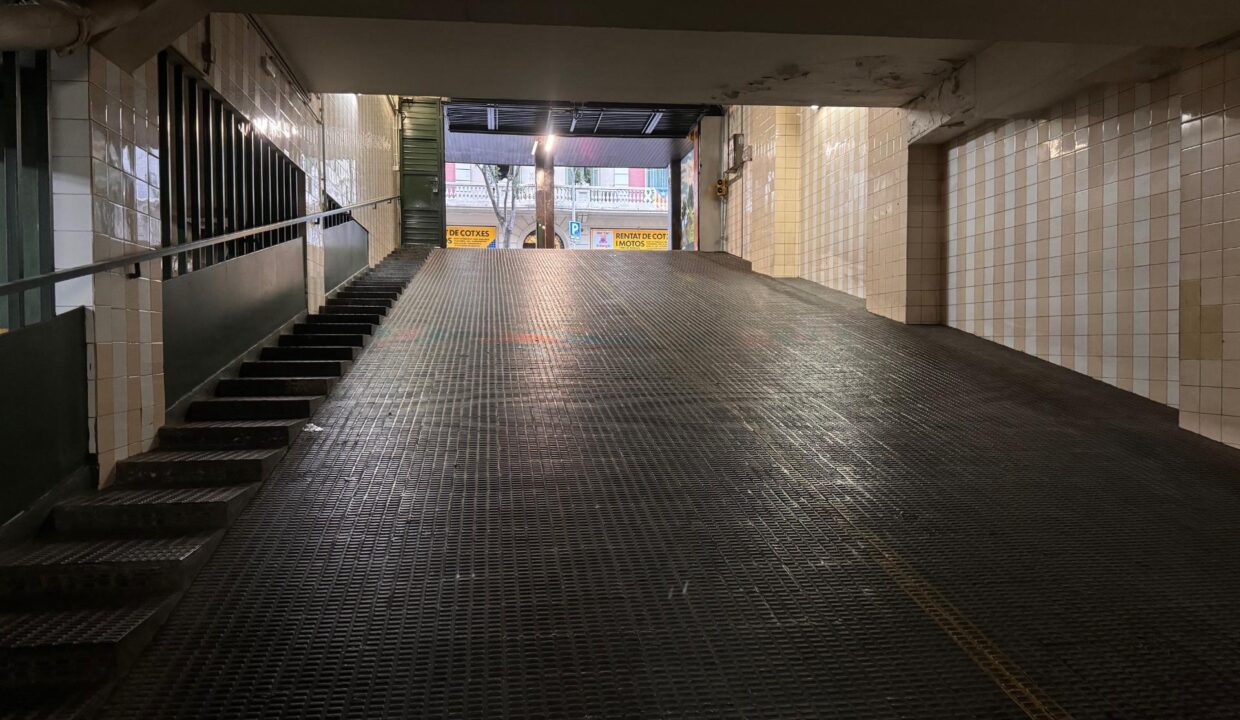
{"x": 421, "y": 172}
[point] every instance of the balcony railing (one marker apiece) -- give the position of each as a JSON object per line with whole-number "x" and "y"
{"x": 470, "y": 195}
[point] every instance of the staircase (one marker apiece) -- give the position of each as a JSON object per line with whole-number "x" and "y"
{"x": 80, "y": 601}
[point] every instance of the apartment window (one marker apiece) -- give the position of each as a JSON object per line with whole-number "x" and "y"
{"x": 464, "y": 173}
{"x": 218, "y": 173}
{"x": 25, "y": 186}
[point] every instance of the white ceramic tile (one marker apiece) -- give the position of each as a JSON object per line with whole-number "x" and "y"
{"x": 70, "y": 138}
{"x": 71, "y": 175}
{"x": 72, "y": 212}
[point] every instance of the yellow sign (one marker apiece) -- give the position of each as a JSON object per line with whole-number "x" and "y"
{"x": 471, "y": 236}
{"x": 629, "y": 239}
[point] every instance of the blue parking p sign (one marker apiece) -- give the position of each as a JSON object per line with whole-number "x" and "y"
{"x": 574, "y": 229}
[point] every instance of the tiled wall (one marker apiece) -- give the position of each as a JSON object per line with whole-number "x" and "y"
{"x": 105, "y": 149}
{"x": 925, "y": 254}
{"x": 886, "y": 271}
{"x": 763, "y": 212}
{"x": 1063, "y": 236}
{"x": 1103, "y": 236}
{"x": 835, "y": 195}
{"x": 735, "y": 221}
{"x": 359, "y": 151}
{"x": 1210, "y": 248}
{"x": 834, "y": 144}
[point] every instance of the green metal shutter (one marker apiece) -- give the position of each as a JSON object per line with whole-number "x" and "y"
{"x": 421, "y": 171}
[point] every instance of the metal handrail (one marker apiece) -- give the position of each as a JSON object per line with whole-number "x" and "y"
{"x": 136, "y": 259}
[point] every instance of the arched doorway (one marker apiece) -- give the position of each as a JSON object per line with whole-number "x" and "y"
{"x": 531, "y": 240}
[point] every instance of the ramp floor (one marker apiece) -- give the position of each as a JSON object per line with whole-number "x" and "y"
{"x": 640, "y": 485}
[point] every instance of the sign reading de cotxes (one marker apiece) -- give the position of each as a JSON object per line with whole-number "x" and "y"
{"x": 471, "y": 236}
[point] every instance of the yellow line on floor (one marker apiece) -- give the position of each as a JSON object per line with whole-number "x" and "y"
{"x": 984, "y": 652}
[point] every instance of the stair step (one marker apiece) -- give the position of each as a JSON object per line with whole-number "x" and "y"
{"x": 254, "y": 408}
{"x": 358, "y": 302}
{"x": 49, "y": 648}
{"x": 366, "y": 295}
{"x": 354, "y": 309}
{"x": 322, "y": 339}
{"x": 323, "y": 328}
{"x": 376, "y": 287}
{"x": 294, "y": 369}
{"x": 310, "y": 352}
{"x": 147, "y": 510}
{"x": 230, "y": 434}
{"x": 57, "y": 572}
{"x": 273, "y": 386}
{"x": 54, "y": 702}
{"x": 337, "y": 317}
{"x": 198, "y": 467}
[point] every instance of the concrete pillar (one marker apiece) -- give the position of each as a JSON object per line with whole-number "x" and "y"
{"x": 544, "y": 195}
{"x": 675, "y": 210}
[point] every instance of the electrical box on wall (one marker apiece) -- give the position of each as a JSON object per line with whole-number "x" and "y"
{"x": 740, "y": 152}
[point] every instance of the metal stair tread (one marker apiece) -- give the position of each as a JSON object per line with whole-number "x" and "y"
{"x": 307, "y": 362}
{"x": 255, "y": 398}
{"x": 70, "y": 552}
{"x": 160, "y": 496}
{"x": 205, "y": 455}
{"x": 248, "y": 378}
{"x": 55, "y": 627}
{"x": 69, "y": 702}
{"x": 227, "y": 424}
{"x": 309, "y": 347}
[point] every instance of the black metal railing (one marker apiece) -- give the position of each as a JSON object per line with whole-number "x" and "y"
{"x": 218, "y": 172}
{"x": 134, "y": 262}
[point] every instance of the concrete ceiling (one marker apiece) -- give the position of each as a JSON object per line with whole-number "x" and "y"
{"x": 583, "y": 64}
{"x": 1182, "y": 23}
{"x": 784, "y": 52}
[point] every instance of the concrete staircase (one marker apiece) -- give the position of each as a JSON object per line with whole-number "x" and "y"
{"x": 79, "y": 601}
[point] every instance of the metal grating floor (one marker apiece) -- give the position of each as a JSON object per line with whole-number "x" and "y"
{"x": 629, "y": 485}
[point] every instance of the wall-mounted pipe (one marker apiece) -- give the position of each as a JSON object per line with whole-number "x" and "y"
{"x": 60, "y": 24}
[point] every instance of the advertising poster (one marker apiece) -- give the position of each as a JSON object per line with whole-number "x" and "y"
{"x": 600, "y": 239}
{"x": 629, "y": 239}
{"x": 471, "y": 236}
{"x": 689, "y": 198}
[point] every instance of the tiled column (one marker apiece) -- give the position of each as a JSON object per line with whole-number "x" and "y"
{"x": 105, "y": 145}
{"x": 834, "y": 142}
{"x": 926, "y": 271}
{"x": 1210, "y": 248}
{"x": 359, "y": 146}
{"x": 903, "y": 258}
{"x": 764, "y": 208}
{"x": 786, "y": 258}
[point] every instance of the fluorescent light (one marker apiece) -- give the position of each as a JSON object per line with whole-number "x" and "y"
{"x": 534, "y": 150}
{"x": 813, "y": 107}
{"x": 550, "y": 143}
